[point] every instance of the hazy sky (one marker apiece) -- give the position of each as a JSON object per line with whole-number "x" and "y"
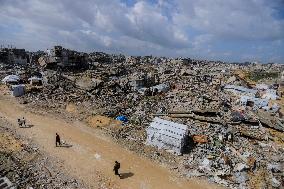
{"x": 229, "y": 30}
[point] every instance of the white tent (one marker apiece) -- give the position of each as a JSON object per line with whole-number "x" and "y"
{"x": 35, "y": 80}
{"x": 167, "y": 135}
{"x": 10, "y": 79}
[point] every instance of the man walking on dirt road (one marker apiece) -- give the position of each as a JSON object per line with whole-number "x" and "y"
{"x": 20, "y": 123}
{"x": 24, "y": 121}
{"x": 57, "y": 140}
{"x": 116, "y": 167}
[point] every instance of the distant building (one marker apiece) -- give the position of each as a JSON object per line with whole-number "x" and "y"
{"x": 141, "y": 80}
{"x": 13, "y": 56}
{"x": 167, "y": 135}
{"x": 61, "y": 57}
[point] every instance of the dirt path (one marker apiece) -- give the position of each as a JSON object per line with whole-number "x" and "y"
{"x": 93, "y": 154}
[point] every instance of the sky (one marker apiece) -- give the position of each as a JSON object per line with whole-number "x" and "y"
{"x": 227, "y": 30}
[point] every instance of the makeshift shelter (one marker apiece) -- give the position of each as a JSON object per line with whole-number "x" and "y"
{"x": 161, "y": 88}
{"x": 240, "y": 90}
{"x": 167, "y": 135}
{"x": 18, "y": 90}
{"x": 35, "y": 81}
{"x": 11, "y": 79}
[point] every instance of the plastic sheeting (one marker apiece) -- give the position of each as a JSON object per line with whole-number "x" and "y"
{"x": 160, "y": 88}
{"x": 270, "y": 94}
{"x": 35, "y": 79}
{"x": 240, "y": 90}
{"x": 10, "y": 79}
{"x": 261, "y": 86}
{"x": 258, "y": 102}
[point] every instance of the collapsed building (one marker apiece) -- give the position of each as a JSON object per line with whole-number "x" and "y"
{"x": 143, "y": 80}
{"x": 13, "y": 56}
{"x": 59, "y": 57}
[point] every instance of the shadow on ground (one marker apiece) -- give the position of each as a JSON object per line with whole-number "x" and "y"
{"x": 27, "y": 126}
{"x": 65, "y": 145}
{"x": 126, "y": 175}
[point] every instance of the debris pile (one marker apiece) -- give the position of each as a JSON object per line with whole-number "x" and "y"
{"x": 234, "y": 122}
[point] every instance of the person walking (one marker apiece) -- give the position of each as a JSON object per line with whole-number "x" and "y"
{"x": 20, "y": 123}
{"x": 116, "y": 168}
{"x": 24, "y": 121}
{"x": 57, "y": 140}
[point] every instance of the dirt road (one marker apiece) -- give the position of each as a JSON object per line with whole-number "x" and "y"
{"x": 93, "y": 153}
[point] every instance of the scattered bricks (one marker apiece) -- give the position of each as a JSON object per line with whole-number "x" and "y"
{"x": 251, "y": 162}
{"x": 200, "y": 139}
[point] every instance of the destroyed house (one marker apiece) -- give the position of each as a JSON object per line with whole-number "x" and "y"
{"x": 143, "y": 80}
{"x": 13, "y": 56}
{"x": 61, "y": 57}
{"x": 167, "y": 135}
{"x": 137, "y": 84}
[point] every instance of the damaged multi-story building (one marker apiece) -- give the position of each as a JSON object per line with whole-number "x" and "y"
{"x": 63, "y": 58}
{"x": 13, "y": 56}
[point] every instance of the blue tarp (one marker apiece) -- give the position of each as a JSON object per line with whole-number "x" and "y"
{"x": 122, "y": 118}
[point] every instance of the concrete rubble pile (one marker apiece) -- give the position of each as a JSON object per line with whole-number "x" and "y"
{"x": 235, "y": 124}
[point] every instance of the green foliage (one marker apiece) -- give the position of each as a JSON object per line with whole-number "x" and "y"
{"x": 256, "y": 76}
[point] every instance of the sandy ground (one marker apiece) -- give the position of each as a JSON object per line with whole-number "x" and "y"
{"x": 93, "y": 154}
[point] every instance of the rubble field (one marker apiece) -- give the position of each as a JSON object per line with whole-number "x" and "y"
{"x": 233, "y": 115}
